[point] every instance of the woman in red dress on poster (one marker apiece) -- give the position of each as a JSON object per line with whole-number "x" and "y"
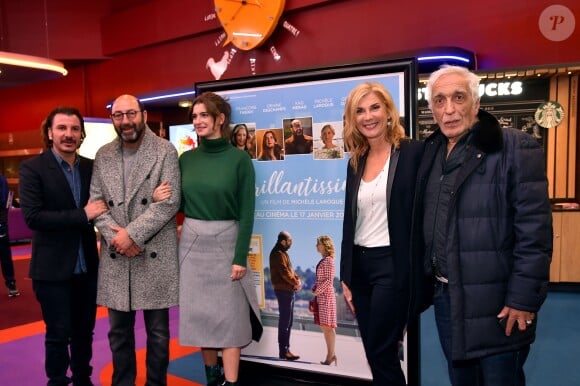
{"x": 325, "y": 316}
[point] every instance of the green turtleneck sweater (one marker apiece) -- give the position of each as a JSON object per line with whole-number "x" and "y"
{"x": 218, "y": 183}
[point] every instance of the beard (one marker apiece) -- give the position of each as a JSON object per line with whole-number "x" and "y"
{"x": 133, "y": 136}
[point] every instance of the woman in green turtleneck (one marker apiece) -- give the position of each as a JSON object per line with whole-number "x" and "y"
{"x": 217, "y": 300}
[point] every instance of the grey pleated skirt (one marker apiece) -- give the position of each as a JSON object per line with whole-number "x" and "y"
{"x": 214, "y": 311}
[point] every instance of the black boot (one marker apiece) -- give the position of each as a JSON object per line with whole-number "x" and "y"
{"x": 213, "y": 374}
{"x": 12, "y": 290}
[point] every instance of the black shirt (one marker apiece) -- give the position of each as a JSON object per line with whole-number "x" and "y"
{"x": 436, "y": 205}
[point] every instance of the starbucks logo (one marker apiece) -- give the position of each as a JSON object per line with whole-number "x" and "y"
{"x": 549, "y": 114}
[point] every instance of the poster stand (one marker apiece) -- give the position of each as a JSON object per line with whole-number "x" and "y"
{"x": 302, "y": 192}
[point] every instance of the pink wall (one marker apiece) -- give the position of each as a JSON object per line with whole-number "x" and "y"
{"x": 165, "y": 44}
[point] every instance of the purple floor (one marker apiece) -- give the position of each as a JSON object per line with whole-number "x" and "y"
{"x": 22, "y": 361}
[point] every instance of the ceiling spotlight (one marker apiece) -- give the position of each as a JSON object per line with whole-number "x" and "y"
{"x": 185, "y": 103}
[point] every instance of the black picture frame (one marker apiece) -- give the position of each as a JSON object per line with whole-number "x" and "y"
{"x": 347, "y": 72}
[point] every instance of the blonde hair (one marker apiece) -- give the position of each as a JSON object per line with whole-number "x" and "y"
{"x": 329, "y": 127}
{"x": 356, "y": 143}
{"x": 327, "y": 243}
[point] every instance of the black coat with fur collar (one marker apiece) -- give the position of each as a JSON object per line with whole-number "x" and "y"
{"x": 499, "y": 235}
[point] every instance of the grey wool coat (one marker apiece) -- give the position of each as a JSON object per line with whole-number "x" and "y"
{"x": 151, "y": 279}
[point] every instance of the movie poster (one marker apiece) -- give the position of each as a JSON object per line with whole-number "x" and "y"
{"x": 300, "y": 169}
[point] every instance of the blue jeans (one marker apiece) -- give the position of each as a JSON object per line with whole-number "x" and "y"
{"x": 285, "y": 319}
{"x": 122, "y": 343}
{"x": 504, "y": 369}
{"x": 68, "y": 309}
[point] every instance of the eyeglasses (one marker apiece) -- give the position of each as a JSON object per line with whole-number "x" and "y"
{"x": 131, "y": 114}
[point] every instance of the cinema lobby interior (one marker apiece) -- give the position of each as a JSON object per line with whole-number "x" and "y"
{"x": 278, "y": 62}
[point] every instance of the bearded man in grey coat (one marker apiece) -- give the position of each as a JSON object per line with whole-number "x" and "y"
{"x": 138, "y": 176}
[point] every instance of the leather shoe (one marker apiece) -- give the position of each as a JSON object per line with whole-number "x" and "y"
{"x": 289, "y": 356}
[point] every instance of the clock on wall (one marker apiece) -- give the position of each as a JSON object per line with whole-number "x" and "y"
{"x": 248, "y": 23}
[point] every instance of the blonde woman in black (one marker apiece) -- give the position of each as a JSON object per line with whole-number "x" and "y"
{"x": 375, "y": 253}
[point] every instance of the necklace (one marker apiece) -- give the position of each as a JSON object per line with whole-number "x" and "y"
{"x": 378, "y": 181}
{"x": 368, "y": 190}
{"x": 369, "y": 193}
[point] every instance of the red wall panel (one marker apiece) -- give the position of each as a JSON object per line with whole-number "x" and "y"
{"x": 24, "y": 108}
{"x": 59, "y": 29}
{"x": 159, "y": 21}
{"x": 165, "y": 44}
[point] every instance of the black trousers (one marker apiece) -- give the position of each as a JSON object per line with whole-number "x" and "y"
{"x": 122, "y": 344}
{"x": 380, "y": 313}
{"x": 69, "y": 311}
{"x": 6, "y": 255}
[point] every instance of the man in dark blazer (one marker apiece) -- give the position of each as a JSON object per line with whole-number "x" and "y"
{"x": 54, "y": 195}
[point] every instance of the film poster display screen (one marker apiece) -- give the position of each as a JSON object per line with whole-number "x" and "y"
{"x": 300, "y": 189}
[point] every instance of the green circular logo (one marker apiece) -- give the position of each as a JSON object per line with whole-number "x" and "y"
{"x": 549, "y": 114}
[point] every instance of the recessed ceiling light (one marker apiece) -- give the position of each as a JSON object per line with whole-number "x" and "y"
{"x": 185, "y": 103}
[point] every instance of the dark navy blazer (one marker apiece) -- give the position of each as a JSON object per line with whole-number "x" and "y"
{"x": 406, "y": 240}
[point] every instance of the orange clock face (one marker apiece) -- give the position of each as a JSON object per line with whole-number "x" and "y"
{"x": 248, "y": 23}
